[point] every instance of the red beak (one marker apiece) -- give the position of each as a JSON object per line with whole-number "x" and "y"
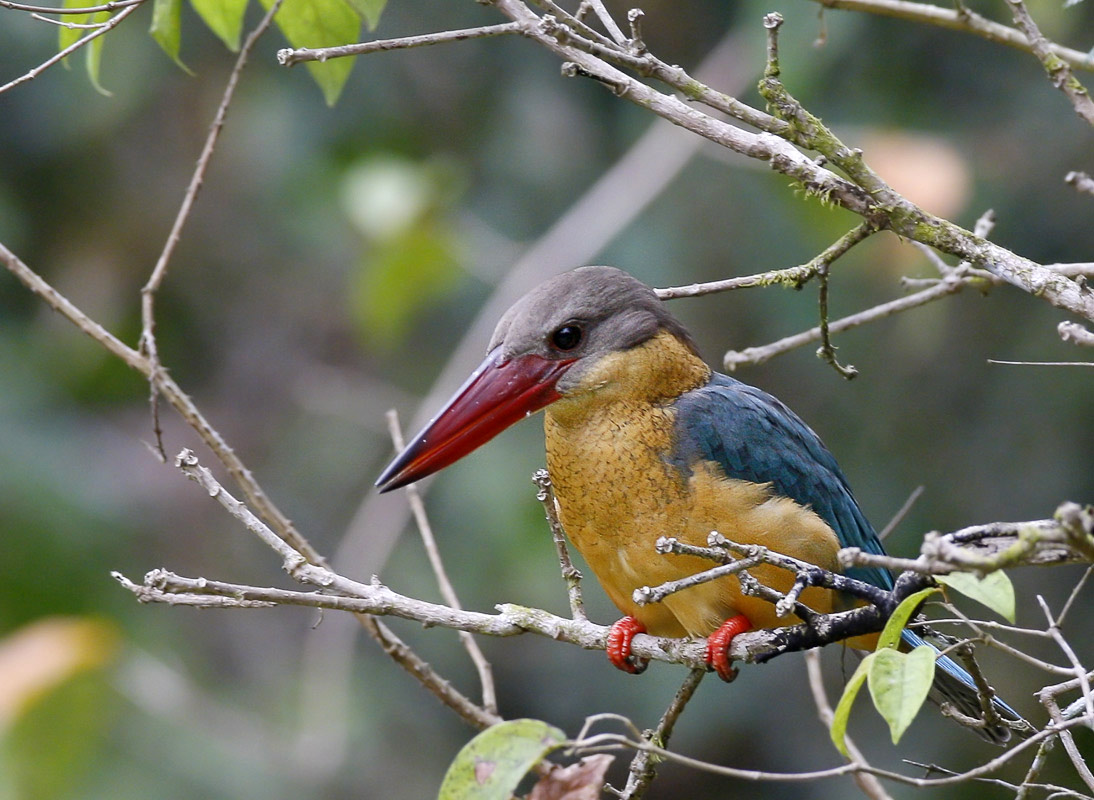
{"x": 496, "y": 395}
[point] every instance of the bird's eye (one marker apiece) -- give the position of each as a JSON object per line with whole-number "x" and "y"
{"x": 567, "y": 337}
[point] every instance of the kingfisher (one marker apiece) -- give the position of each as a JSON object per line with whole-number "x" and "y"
{"x": 645, "y": 441}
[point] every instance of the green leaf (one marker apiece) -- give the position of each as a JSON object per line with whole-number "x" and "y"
{"x": 842, "y": 713}
{"x": 890, "y": 636}
{"x": 490, "y": 766}
{"x": 399, "y": 279}
{"x": 993, "y": 590}
{"x": 224, "y": 18}
{"x": 899, "y": 683}
{"x": 167, "y": 29}
{"x": 95, "y": 56}
{"x": 66, "y": 37}
{"x": 321, "y": 23}
{"x": 369, "y": 10}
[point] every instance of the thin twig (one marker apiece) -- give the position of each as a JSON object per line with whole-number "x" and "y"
{"x": 1074, "y": 332}
{"x": 1080, "y": 670}
{"x": 644, "y": 767}
{"x": 1060, "y": 725}
{"x": 106, "y": 27}
{"x": 1081, "y": 181}
{"x": 448, "y": 592}
{"x": 159, "y": 272}
{"x": 111, "y": 6}
{"x": 159, "y": 586}
{"x": 827, "y": 352}
{"x": 1072, "y": 597}
{"x": 75, "y": 26}
{"x": 959, "y": 18}
{"x": 793, "y": 277}
{"x": 289, "y": 57}
{"x": 1041, "y": 363}
{"x": 606, "y": 740}
{"x": 570, "y": 574}
{"x": 644, "y": 595}
{"x": 899, "y": 516}
{"x": 869, "y": 784}
{"x": 1059, "y": 72}
{"x": 758, "y": 355}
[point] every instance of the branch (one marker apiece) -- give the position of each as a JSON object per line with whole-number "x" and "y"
{"x": 159, "y": 272}
{"x": 107, "y": 26}
{"x": 1081, "y": 181}
{"x": 429, "y": 543}
{"x": 644, "y": 766}
{"x": 289, "y": 57}
{"x": 114, "y": 5}
{"x": 869, "y": 784}
{"x": 604, "y": 740}
{"x": 1074, "y": 332}
{"x": 1066, "y": 538}
{"x": 960, "y": 18}
{"x": 951, "y": 284}
{"x": 1059, "y": 72}
{"x": 570, "y": 574}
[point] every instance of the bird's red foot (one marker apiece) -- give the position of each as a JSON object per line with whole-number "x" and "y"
{"x": 619, "y": 646}
{"x": 718, "y": 646}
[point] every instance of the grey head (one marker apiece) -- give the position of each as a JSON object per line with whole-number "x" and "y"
{"x": 583, "y": 314}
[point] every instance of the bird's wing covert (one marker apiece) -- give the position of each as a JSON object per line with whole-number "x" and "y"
{"x": 753, "y": 437}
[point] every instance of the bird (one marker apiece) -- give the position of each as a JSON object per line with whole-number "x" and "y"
{"x": 644, "y": 440}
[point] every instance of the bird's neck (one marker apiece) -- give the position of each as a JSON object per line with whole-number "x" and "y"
{"x": 652, "y": 373}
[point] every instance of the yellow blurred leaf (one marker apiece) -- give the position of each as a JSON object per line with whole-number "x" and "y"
{"x": 44, "y": 654}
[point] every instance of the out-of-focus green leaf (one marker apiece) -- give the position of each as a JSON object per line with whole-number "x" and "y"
{"x": 993, "y": 590}
{"x": 400, "y": 277}
{"x": 66, "y": 37}
{"x": 224, "y": 18}
{"x": 60, "y": 716}
{"x": 321, "y": 23}
{"x": 166, "y": 27}
{"x": 369, "y": 10}
{"x": 890, "y": 636}
{"x": 842, "y": 713}
{"x": 490, "y": 766}
{"x": 899, "y": 683}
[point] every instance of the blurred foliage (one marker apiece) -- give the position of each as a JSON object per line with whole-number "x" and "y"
{"x": 284, "y": 317}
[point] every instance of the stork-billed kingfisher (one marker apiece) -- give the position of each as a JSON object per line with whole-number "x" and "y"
{"x": 644, "y": 440}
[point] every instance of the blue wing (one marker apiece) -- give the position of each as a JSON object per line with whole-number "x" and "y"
{"x": 755, "y": 438}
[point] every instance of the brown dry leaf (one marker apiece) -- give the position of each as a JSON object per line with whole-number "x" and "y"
{"x": 580, "y": 781}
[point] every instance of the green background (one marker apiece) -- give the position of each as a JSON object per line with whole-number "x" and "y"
{"x": 333, "y": 261}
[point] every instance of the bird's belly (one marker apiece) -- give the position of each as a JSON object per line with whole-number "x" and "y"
{"x": 614, "y": 508}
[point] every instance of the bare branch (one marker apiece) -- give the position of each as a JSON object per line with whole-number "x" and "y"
{"x": 1059, "y": 72}
{"x": 114, "y": 5}
{"x": 570, "y": 574}
{"x": 644, "y": 766}
{"x": 429, "y": 543}
{"x": 960, "y": 18}
{"x": 159, "y": 272}
{"x": 869, "y": 784}
{"x": 1074, "y": 332}
{"x": 951, "y": 284}
{"x": 289, "y": 57}
{"x": 106, "y": 27}
{"x": 1081, "y": 181}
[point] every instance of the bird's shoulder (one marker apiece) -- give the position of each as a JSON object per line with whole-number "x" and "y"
{"x": 755, "y": 437}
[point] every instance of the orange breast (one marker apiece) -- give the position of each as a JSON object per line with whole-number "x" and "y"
{"x": 608, "y": 448}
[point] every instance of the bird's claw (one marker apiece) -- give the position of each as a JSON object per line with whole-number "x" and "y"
{"x": 619, "y": 646}
{"x": 718, "y": 646}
